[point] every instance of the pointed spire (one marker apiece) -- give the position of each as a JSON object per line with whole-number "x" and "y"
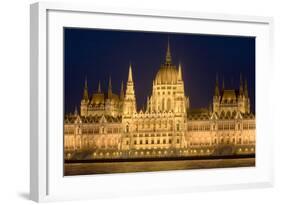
{"x": 179, "y": 73}
{"x": 246, "y": 89}
{"x": 85, "y": 93}
{"x": 168, "y": 54}
{"x": 130, "y": 76}
{"x": 99, "y": 88}
{"x": 217, "y": 90}
{"x": 122, "y": 91}
{"x": 241, "y": 85}
{"x": 222, "y": 83}
{"x": 109, "y": 87}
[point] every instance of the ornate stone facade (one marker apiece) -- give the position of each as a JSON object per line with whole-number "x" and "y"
{"x": 109, "y": 125}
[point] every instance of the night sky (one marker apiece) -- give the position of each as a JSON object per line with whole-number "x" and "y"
{"x": 98, "y": 54}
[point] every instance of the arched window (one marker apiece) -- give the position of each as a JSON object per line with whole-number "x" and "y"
{"x": 178, "y": 126}
{"x": 127, "y": 128}
{"x": 169, "y": 104}
{"x": 163, "y": 104}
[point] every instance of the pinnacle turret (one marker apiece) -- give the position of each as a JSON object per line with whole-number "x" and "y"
{"x": 179, "y": 73}
{"x": 85, "y": 93}
{"x": 217, "y": 90}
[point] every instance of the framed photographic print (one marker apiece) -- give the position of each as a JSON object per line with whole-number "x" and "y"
{"x": 121, "y": 97}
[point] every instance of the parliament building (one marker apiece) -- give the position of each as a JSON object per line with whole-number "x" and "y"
{"x": 108, "y": 125}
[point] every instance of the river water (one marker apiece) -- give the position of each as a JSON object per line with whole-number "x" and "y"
{"x": 147, "y": 166}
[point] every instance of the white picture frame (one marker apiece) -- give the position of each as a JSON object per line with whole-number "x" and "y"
{"x": 47, "y": 182}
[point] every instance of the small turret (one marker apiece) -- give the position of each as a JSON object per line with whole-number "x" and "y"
{"x": 241, "y": 85}
{"x": 85, "y": 93}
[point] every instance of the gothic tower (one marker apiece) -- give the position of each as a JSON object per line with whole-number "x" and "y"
{"x": 129, "y": 106}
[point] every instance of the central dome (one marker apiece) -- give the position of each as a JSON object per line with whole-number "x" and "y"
{"x": 167, "y": 75}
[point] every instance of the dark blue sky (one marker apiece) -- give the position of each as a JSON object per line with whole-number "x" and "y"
{"x": 99, "y": 54}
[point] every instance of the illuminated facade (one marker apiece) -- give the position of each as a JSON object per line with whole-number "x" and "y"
{"x": 110, "y": 126}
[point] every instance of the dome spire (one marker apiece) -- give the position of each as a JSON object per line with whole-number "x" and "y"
{"x": 168, "y": 54}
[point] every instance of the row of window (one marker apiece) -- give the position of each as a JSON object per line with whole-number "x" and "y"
{"x": 222, "y": 141}
{"x": 225, "y": 126}
{"x": 153, "y": 135}
{"x": 168, "y": 87}
{"x": 153, "y": 141}
{"x": 221, "y": 126}
{"x": 97, "y": 130}
{"x": 167, "y": 93}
